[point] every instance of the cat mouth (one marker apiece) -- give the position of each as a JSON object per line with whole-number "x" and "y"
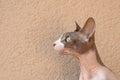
{"x": 60, "y": 51}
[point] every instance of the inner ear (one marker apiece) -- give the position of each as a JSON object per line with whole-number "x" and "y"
{"x": 89, "y": 28}
{"x": 78, "y": 28}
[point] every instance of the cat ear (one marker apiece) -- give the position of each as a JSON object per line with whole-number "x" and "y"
{"x": 88, "y": 29}
{"x": 78, "y": 28}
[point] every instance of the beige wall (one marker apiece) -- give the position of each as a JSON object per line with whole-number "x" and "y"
{"x": 29, "y": 27}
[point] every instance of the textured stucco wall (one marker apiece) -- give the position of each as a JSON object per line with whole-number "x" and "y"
{"x": 29, "y": 27}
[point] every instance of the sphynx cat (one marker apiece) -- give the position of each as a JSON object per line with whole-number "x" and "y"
{"x": 81, "y": 44}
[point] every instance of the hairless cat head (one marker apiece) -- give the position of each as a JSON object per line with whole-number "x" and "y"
{"x": 80, "y": 40}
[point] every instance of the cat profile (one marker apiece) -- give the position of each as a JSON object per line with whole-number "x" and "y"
{"x": 81, "y": 44}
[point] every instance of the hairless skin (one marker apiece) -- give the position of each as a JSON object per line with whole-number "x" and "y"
{"x": 81, "y": 44}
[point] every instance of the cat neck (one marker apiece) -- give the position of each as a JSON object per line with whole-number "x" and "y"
{"x": 89, "y": 62}
{"x": 91, "y": 54}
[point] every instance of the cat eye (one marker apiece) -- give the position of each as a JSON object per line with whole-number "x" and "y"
{"x": 67, "y": 39}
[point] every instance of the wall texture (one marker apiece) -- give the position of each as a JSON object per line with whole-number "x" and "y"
{"x": 29, "y": 27}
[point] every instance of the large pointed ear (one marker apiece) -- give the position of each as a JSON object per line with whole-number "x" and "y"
{"x": 88, "y": 29}
{"x": 78, "y": 28}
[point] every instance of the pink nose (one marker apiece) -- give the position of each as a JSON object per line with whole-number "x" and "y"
{"x": 54, "y": 44}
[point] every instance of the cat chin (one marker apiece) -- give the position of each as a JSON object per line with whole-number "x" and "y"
{"x": 59, "y": 49}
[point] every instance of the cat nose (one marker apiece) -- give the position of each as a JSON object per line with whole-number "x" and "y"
{"x": 54, "y": 44}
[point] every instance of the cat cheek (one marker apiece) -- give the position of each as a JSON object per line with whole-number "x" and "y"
{"x": 59, "y": 47}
